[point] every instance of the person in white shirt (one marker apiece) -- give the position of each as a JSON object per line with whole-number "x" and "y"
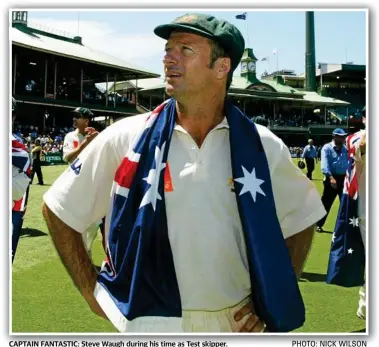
{"x": 204, "y": 226}
{"x": 75, "y": 141}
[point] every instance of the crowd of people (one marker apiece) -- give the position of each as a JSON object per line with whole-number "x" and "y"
{"x": 291, "y": 119}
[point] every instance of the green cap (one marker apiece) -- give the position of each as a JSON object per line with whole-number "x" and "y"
{"x": 83, "y": 112}
{"x": 221, "y": 31}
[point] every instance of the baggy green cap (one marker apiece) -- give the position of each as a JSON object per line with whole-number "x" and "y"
{"x": 221, "y": 31}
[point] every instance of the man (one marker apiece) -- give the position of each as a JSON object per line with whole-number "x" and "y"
{"x": 309, "y": 154}
{"x": 177, "y": 256}
{"x": 36, "y": 165}
{"x": 20, "y": 183}
{"x": 334, "y": 162}
{"x": 74, "y": 143}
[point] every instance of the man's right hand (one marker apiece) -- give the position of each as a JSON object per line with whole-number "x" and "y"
{"x": 333, "y": 182}
{"x": 90, "y": 136}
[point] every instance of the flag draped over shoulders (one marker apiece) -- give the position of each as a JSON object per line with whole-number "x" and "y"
{"x": 139, "y": 278}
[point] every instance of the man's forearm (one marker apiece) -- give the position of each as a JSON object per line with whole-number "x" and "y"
{"x": 70, "y": 247}
{"x": 298, "y": 247}
{"x": 70, "y": 157}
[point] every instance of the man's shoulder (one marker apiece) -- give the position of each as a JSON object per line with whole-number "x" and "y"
{"x": 129, "y": 125}
{"x": 123, "y": 131}
{"x": 272, "y": 144}
{"x": 70, "y": 134}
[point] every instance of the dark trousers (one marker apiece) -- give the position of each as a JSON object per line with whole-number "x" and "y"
{"x": 37, "y": 170}
{"x": 310, "y": 166}
{"x": 17, "y": 221}
{"x": 329, "y": 194}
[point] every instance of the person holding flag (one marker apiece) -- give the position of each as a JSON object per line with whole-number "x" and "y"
{"x": 346, "y": 266}
{"x": 200, "y": 233}
{"x": 21, "y": 171}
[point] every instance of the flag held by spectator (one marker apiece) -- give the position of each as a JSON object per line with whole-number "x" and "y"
{"x": 242, "y": 16}
{"x": 346, "y": 266}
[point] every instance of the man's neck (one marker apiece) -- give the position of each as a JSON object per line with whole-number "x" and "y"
{"x": 200, "y": 117}
{"x": 80, "y": 131}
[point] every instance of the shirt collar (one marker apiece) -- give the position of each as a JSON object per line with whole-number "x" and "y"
{"x": 223, "y": 124}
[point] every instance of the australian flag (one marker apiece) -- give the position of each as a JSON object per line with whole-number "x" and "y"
{"x": 138, "y": 279}
{"x": 347, "y": 255}
{"x": 242, "y": 16}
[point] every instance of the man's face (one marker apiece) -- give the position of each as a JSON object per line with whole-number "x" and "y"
{"x": 80, "y": 123}
{"x": 186, "y": 64}
{"x": 339, "y": 140}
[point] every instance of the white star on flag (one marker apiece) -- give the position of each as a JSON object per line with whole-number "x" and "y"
{"x": 251, "y": 184}
{"x": 333, "y": 238}
{"x": 354, "y": 221}
{"x": 350, "y": 251}
{"x": 152, "y": 194}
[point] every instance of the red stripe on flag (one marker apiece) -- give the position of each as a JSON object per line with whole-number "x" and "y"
{"x": 158, "y": 109}
{"x": 125, "y": 173}
{"x": 17, "y": 144}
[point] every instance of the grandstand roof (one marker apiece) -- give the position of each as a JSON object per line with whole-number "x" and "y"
{"x": 315, "y": 98}
{"x": 142, "y": 84}
{"x": 341, "y": 70}
{"x": 48, "y": 44}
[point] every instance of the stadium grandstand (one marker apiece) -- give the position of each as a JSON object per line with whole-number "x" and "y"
{"x": 53, "y": 72}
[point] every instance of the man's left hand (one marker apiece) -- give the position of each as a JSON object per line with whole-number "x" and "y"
{"x": 253, "y": 324}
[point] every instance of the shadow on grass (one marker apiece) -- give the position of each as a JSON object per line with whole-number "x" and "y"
{"x": 312, "y": 277}
{"x": 326, "y": 232}
{"x": 27, "y": 232}
{"x": 359, "y": 331}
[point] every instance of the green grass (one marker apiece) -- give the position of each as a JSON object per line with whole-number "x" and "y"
{"x": 45, "y": 300}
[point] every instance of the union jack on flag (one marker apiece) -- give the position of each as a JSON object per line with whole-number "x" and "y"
{"x": 20, "y": 156}
{"x": 347, "y": 255}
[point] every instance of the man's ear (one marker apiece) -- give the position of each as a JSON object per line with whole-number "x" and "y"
{"x": 222, "y": 67}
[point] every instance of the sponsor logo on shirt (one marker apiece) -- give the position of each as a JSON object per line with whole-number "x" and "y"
{"x": 231, "y": 184}
{"x": 168, "y": 186}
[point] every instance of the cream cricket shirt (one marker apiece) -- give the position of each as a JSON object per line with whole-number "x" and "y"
{"x": 204, "y": 227}
{"x": 71, "y": 141}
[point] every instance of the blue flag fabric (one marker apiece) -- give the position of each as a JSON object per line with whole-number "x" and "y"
{"x": 346, "y": 266}
{"x": 139, "y": 275}
{"x": 242, "y": 16}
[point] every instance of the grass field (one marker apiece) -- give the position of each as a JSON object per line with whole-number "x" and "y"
{"x": 45, "y": 300}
